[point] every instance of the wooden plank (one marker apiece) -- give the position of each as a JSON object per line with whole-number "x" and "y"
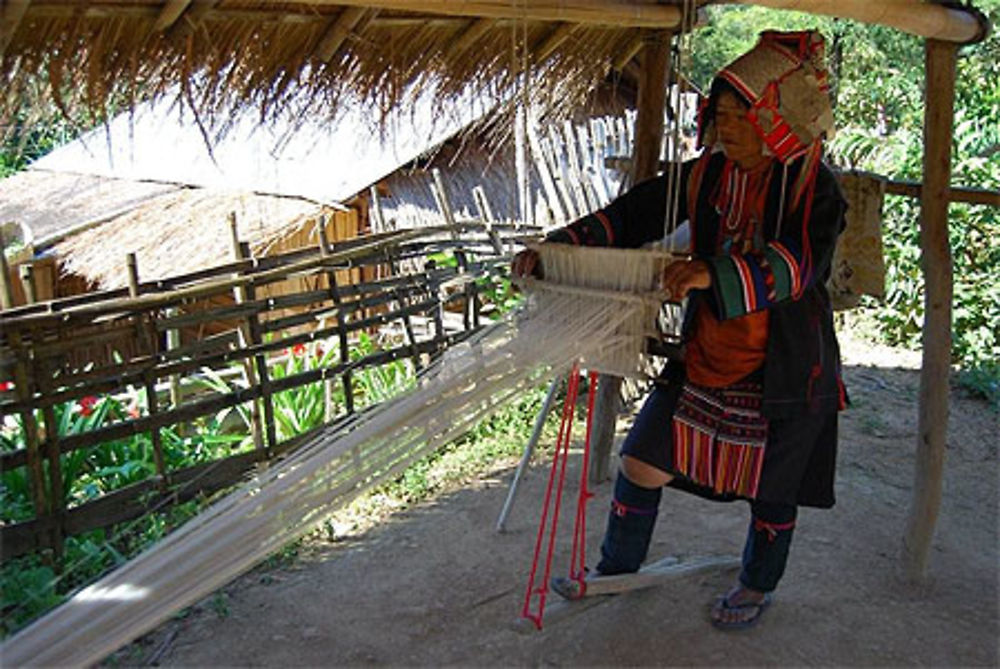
{"x": 598, "y": 588}
{"x": 936, "y": 261}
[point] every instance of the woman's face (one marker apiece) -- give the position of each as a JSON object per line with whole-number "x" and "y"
{"x": 740, "y": 141}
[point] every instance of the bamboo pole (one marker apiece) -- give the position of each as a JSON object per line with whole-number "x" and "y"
{"x": 616, "y": 13}
{"x": 936, "y": 261}
{"x": 649, "y": 130}
{"x": 924, "y": 19}
{"x": 338, "y": 32}
{"x": 171, "y": 11}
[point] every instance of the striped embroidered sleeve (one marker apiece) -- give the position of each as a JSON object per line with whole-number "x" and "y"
{"x": 788, "y": 265}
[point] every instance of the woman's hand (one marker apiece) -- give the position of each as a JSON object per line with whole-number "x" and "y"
{"x": 526, "y": 263}
{"x": 683, "y": 276}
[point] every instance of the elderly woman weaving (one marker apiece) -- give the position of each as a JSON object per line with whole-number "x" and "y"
{"x": 751, "y": 413}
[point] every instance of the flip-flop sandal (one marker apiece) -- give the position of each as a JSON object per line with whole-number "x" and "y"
{"x": 724, "y": 605}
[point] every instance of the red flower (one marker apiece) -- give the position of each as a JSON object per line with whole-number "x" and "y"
{"x": 319, "y": 352}
{"x": 87, "y": 404}
{"x": 6, "y": 386}
{"x": 133, "y": 411}
{"x": 298, "y": 350}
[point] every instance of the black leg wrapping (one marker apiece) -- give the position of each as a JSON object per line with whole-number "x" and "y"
{"x": 768, "y": 542}
{"x": 630, "y": 526}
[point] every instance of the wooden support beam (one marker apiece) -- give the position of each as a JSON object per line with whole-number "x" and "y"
{"x": 614, "y": 13}
{"x": 552, "y": 41}
{"x": 925, "y": 19}
{"x": 11, "y": 13}
{"x": 936, "y": 261}
{"x": 189, "y": 17}
{"x": 648, "y": 139}
{"x": 338, "y": 32}
{"x": 473, "y": 32}
{"x": 171, "y": 11}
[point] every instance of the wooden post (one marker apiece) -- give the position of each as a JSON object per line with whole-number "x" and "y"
{"x": 27, "y": 276}
{"x": 250, "y": 369}
{"x": 6, "y": 297}
{"x": 57, "y": 497}
{"x": 148, "y": 332}
{"x": 940, "y": 58}
{"x": 331, "y": 277}
{"x": 441, "y": 197}
{"x": 23, "y": 389}
{"x": 649, "y": 131}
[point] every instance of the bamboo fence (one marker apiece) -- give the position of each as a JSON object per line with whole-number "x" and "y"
{"x": 61, "y": 351}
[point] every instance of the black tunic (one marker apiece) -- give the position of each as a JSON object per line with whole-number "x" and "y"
{"x": 802, "y": 387}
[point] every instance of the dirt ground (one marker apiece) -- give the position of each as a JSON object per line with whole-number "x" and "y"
{"x": 437, "y": 585}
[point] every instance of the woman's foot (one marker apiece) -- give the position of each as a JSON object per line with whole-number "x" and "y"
{"x": 739, "y": 608}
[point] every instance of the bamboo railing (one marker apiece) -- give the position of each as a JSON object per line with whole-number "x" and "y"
{"x": 63, "y": 351}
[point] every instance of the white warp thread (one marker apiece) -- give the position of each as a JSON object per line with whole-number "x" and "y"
{"x": 284, "y": 502}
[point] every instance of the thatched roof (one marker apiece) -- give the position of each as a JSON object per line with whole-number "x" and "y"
{"x": 180, "y": 232}
{"x": 300, "y": 57}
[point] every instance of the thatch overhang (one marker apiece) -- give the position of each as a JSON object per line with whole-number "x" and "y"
{"x": 306, "y": 57}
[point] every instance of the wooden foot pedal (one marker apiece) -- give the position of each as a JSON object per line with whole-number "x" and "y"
{"x": 577, "y": 598}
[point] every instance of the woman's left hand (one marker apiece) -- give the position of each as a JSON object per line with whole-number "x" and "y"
{"x": 683, "y": 276}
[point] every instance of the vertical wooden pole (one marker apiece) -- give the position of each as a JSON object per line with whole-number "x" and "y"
{"x": 147, "y": 331}
{"x": 645, "y": 160}
{"x": 6, "y": 297}
{"x": 23, "y": 388}
{"x": 441, "y": 197}
{"x": 331, "y": 277}
{"x": 57, "y": 497}
{"x": 939, "y": 96}
{"x": 245, "y": 337}
{"x": 27, "y": 275}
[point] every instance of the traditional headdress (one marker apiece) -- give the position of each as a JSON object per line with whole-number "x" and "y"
{"x": 784, "y": 81}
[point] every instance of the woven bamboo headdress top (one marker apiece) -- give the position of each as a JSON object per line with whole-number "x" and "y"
{"x": 784, "y": 80}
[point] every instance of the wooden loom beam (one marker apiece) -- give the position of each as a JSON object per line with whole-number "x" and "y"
{"x": 936, "y": 261}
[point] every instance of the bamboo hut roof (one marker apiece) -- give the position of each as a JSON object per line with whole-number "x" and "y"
{"x": 305, "y": 57}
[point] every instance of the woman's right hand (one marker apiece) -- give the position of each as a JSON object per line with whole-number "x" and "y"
{"x": 526, "y": 263}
